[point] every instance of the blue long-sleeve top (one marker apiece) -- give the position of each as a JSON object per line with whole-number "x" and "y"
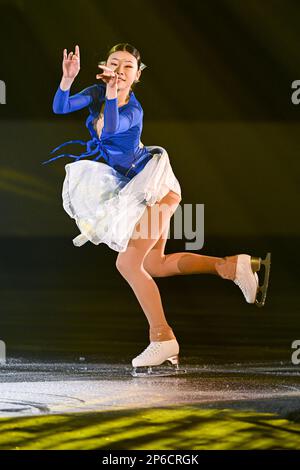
{"x": 119, "y": 142}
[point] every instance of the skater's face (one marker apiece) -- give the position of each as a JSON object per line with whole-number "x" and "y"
{"x": 125, "y": 65}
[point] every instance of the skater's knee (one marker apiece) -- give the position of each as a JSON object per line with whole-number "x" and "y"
{"x": 127, "y": 264}
{"x": 175, "y": 196}
{"x": 122, "y": 264}
{"x": 153, "y": 263}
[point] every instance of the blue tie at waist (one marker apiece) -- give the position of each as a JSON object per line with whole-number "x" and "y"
{"x": 92, "y": 147}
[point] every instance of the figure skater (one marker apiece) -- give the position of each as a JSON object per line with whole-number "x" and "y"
{"x": 113, "y": 200}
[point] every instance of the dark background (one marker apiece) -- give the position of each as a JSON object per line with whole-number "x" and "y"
{"x": 217, "y": 95}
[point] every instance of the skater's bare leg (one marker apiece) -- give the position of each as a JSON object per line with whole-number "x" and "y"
{"x": 131, "y": 265}
{"x": 157, "y": 264}
{"x": 179, "y": 264}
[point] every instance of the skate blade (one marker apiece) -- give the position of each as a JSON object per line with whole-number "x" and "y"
{"x": 263, "y": 288}
{"x": 157, "y": 373}
{"x": 169, "y": 367}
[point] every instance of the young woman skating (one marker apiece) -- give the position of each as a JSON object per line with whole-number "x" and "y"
{"x": 116, "y": 200}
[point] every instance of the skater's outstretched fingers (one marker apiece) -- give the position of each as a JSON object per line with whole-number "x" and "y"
{"x": 107, "y": 74}
{"x": 105, "y": 78}
{"x": 77, "y": 52}
{"x": 105, "y": 68}
{"x": 71, "y": 63}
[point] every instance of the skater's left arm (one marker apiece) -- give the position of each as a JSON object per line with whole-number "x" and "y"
{"x": 116, "y": 122}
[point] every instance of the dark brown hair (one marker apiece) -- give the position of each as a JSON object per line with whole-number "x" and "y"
{"x": 125, "y": 46}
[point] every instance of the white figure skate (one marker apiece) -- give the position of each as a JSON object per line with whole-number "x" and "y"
{"x": 247, "y": 279}
{"x": 242, "y": 270}
{"x": 156, "y": 354}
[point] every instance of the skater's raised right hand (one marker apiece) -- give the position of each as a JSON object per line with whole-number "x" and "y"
{"x": 71, "y": 63}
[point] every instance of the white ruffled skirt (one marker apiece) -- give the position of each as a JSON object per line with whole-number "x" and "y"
{"x": 107, "y": 205}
